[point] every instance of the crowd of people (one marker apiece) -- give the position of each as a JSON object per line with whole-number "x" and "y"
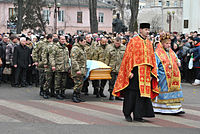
{"x": 55, "y": 62}
{"x": 146, "y": 67}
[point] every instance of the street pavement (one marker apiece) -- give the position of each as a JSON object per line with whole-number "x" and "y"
{"x": 23, "y": 111}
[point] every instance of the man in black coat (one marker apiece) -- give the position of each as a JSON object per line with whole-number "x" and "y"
{"x": 3, "y": 45}
{"x": 21, "y": 61}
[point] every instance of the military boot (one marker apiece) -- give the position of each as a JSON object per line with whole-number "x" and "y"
{"x": 75, "y": 98}
{"x": 79, "y": 98}
{"x": 63, "y": 93}
{"x": 52, "y": 92}
{"x": 41, "y": 91}
{"x": 45, "y": 95}
{"x": 101, "y": 92}
{"x": 58, "y": 95}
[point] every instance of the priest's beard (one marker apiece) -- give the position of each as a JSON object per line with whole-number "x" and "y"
{"x": 166, "y": 49}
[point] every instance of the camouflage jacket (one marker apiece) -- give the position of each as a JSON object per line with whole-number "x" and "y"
{"x": 37, "y": 53}
{"x": 59, "y": 58}
{"x": 78, "y": 60}
{"x": 89, "y": 49}
{"x": 45, "y": 56}
{"x": 115, "y": 56}
{"x": 100, "y": 53}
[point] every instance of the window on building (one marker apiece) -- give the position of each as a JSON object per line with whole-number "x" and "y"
{"x": 79, "y": 17}
{"x": 159, "y": 3}
{"x": 101, "y": 17}
{"x": 167, "y": 3}
{"x": 175, "y": 3}
{"x": 186, "y": 23}
{"x": 61, "y": 15}
{"x": 11, "y": 12}
{"x": 181, "y": 3}
{"x": 45, "y": 15}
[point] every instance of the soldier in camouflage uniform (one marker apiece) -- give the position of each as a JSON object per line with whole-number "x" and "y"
{"x": 37, "y": 59}
{"x": 59, "y": 61}
{"x": 49, "y": 75}
{"x": 78, "y": 68}
{"x": 89, "y": 48}
{"x": 115, "y": 55}
{"x": 100, "y": 54}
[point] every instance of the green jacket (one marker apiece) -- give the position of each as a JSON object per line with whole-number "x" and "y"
{"x": 46, "y": 55}
{"x": 37, "y": 52}
{"x": 100, "y": 53}
{"x": 59, "y": 58}
{"x": 89, "y": 49}
{"x": 115, "y": 56}
{"x": 78, "y": 60}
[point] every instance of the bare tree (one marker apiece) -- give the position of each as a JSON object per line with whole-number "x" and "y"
{"x": 155, "y": 23}
{"x": 134, "y": 4}
{"x": 93, "y": 16}
{"x": 30, "y": 15}
{"x": 121, "y": 6}
{"x": 19, "y": 16}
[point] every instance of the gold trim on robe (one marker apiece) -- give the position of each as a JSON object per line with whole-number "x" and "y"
{"x": 171, "y": 69}
{"x": 138, "y": 53}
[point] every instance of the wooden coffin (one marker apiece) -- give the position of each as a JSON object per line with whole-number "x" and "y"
{"x": 100, "y": 74}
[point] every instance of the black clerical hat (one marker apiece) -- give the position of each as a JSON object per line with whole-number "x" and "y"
{"x": 144, "y": 25}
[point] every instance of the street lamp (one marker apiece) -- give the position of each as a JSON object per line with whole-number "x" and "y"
{"x": 56, "y": 12}
{"x": 170, "y": 15}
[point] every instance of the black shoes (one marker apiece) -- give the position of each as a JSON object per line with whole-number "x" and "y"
{"x": 181, "y": 112}
{"x": 75, "y": 98}
{"x": 79, "y": 98}
{"x": 41, "y": 91}
{"x": 139, "y": 120}
{"x": 58, "y": 95}
{"x": 45, "y": 95}
{"x": 63, "y": 94}
{"x": 128, "y": 118}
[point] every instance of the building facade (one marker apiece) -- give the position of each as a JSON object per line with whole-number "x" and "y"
{"x": 191, "y": 19}
{"x": 164, "y": 15}
{"x": 73, "y": 16}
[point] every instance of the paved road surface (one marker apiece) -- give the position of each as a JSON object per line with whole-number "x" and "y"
{"x": 23, "y": 111}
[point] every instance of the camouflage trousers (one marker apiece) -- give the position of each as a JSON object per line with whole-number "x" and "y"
{"x": 49, "y": 83}
{"x": 41, "y": 78}
{"x": 60, "y": 80}
{"x": 78, "y": 83}
{"x": 112, "y": 81}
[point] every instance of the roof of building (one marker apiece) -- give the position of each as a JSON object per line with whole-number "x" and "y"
{"x": 79, "y": 3}
{"x": 6, "y": 1}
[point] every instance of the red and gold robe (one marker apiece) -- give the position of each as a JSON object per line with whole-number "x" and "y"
{"x": 139, "y": 53}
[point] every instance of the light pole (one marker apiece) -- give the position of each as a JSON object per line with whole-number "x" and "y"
{"x": 162, "y": 14}
{"x": 169, "y": 19}
{"x": 56, "y": 12}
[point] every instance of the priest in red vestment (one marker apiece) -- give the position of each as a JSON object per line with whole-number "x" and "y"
{"x": 137, "y": 78}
